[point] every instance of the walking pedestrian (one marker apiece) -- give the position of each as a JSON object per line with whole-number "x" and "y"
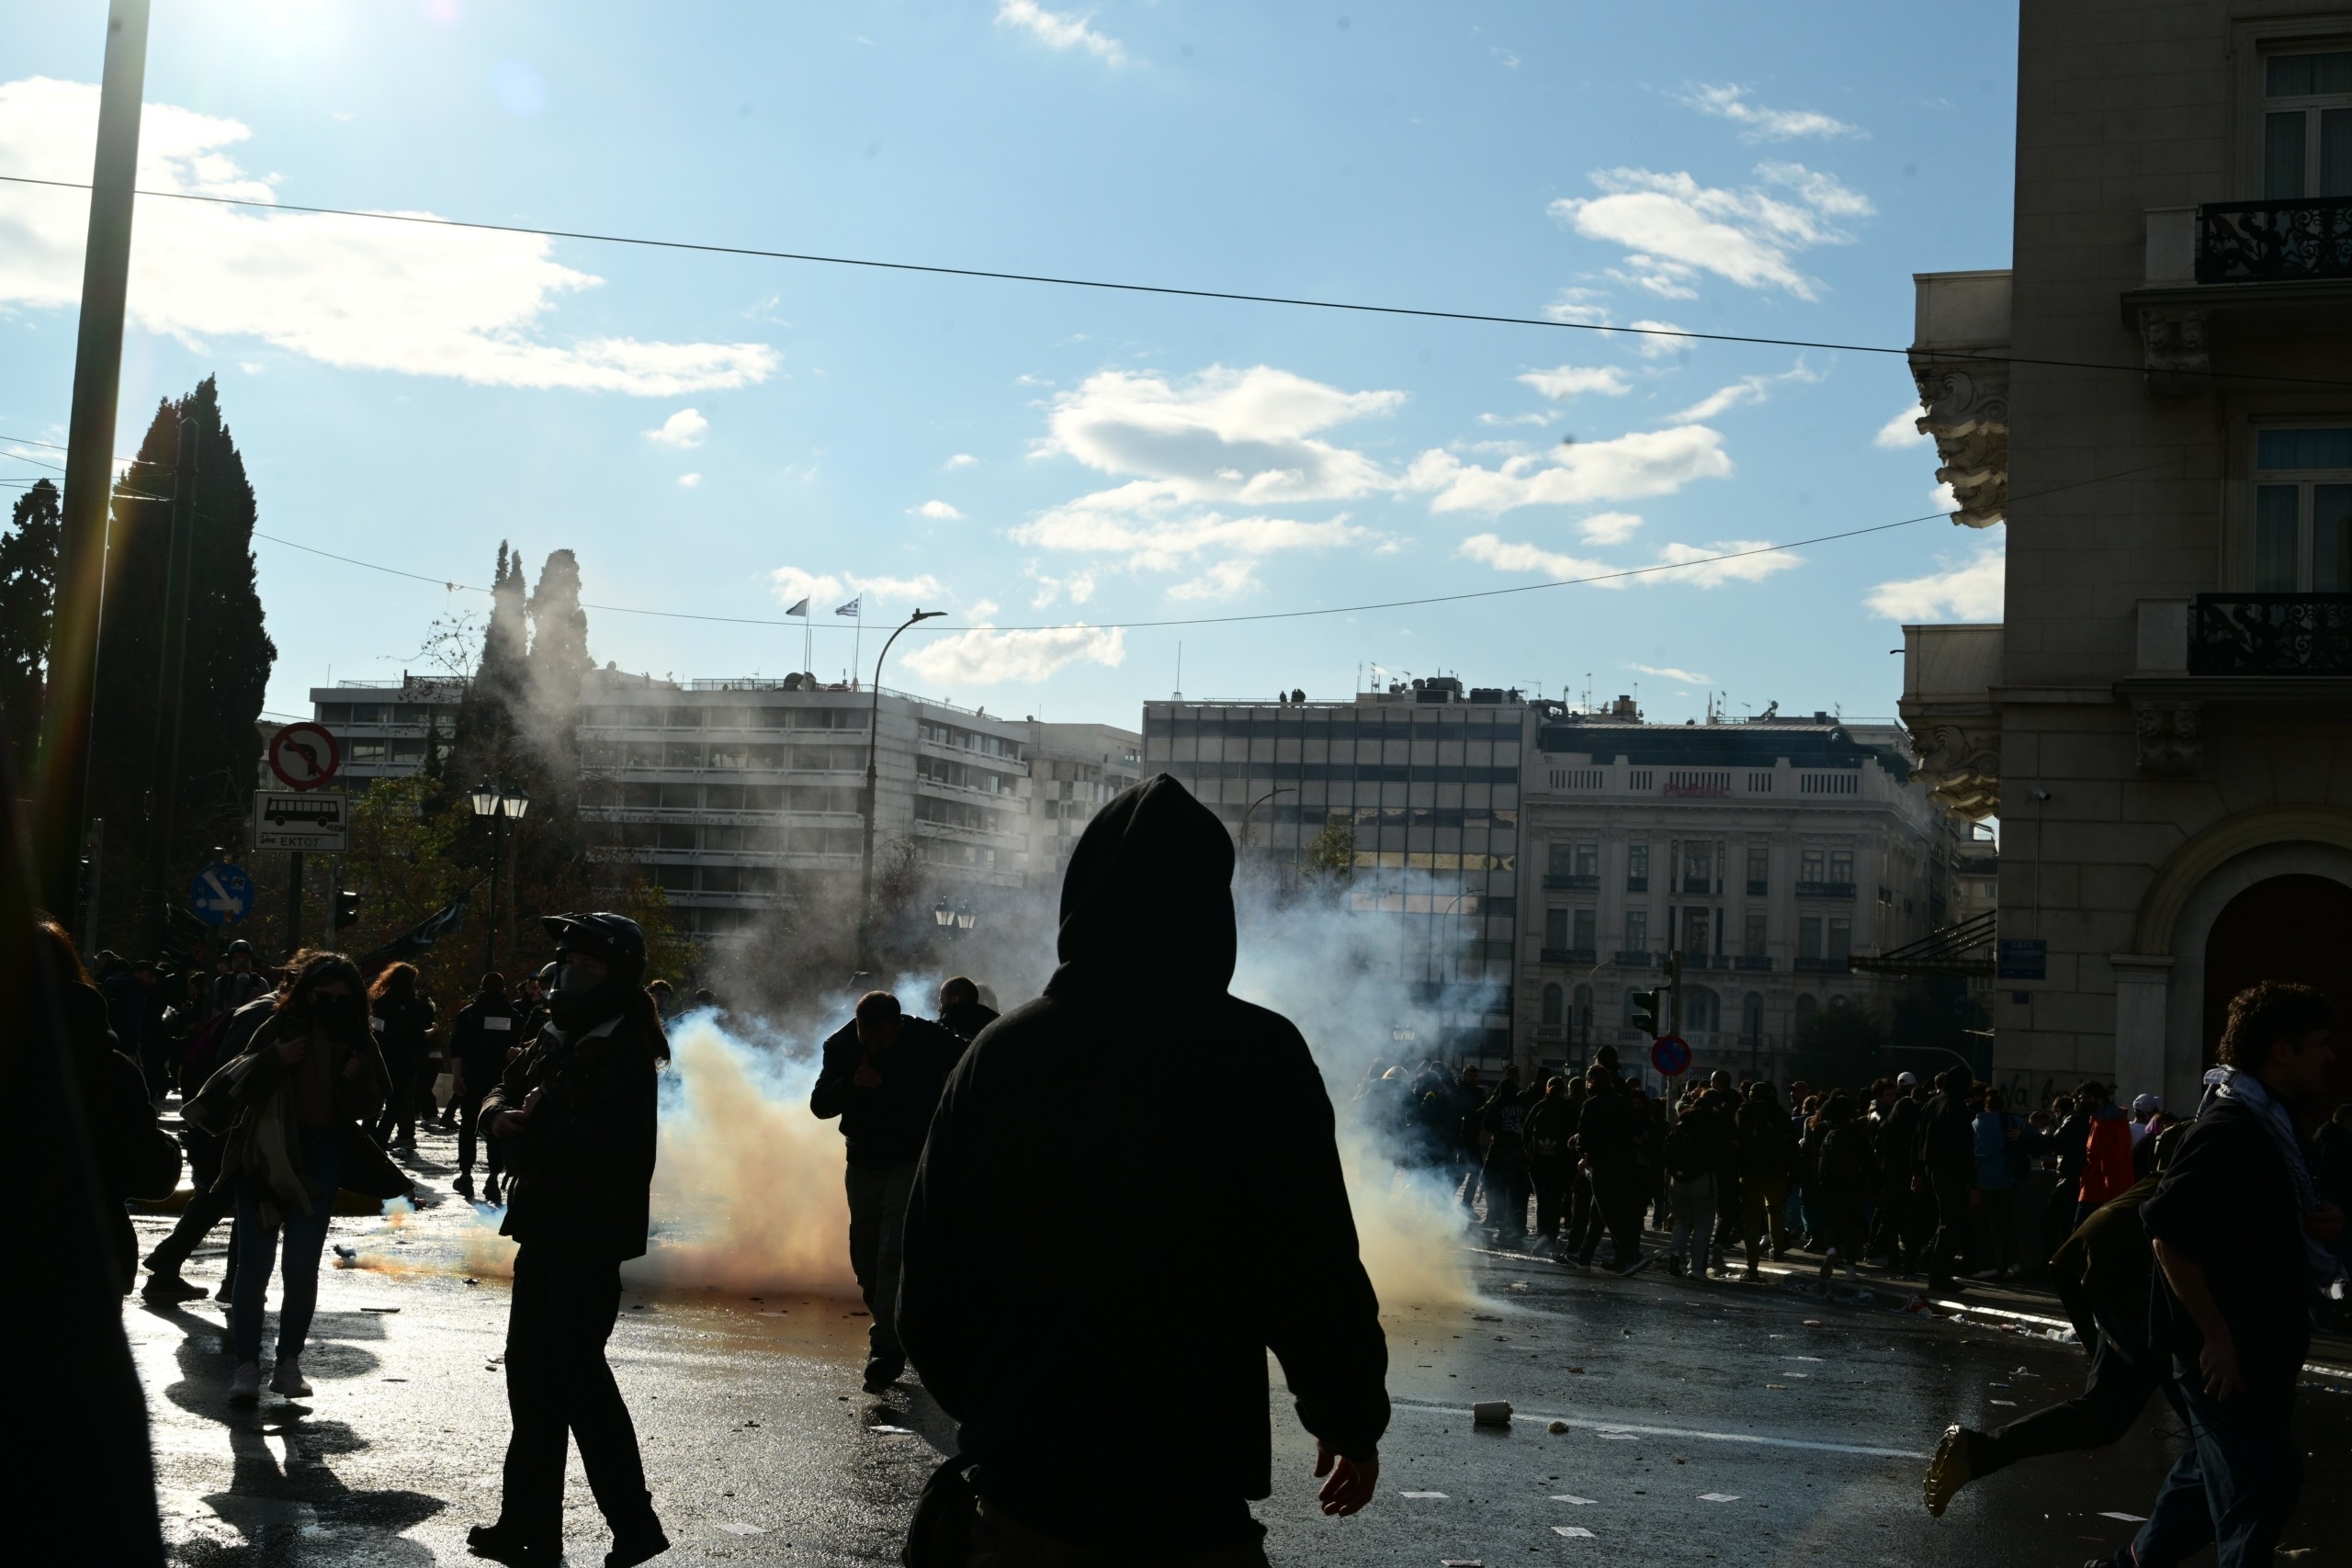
{"x": 1026, "y": 1298}
{"x": 1551, "y": 1162}
{"x": 1768, "y": 1150}
{"x": 960, "y": 1009}
{"x": 239, "y": 981}
{"x": 135, "y": 1014}
{"x": 1505, "y": 1172}
{"x": 1895, "y": 1234}
{"x": 1723, "y": 1102}
{"x": 480, "y": 1039}
{"x": 1839, "y": 1180}
{"x": 1469, "y": 1100}
{"x": 1946, "y": 1174}
{"x": 402, "y": 1020}
{"x": 2003, "y": 1146}
{"x": 215, "y": 1195}
{"x": 2107, "y": 1152}
{"x": 293, "y": 1109}
{"x": 575, "y": 1112}
{"x": 2241, "y": 1238}
{"x": 1605, "y": 1132}
{"x": 1691, "y": 1157}
{"x": 881, "y": 1075}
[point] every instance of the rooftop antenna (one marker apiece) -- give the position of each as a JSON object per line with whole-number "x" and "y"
{"x": 1179, "y": 669}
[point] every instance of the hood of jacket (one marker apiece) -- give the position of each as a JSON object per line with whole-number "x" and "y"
{"x": 1149, "y": 896}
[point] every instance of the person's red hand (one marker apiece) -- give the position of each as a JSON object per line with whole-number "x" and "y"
{"x": 1350, "y": 1481}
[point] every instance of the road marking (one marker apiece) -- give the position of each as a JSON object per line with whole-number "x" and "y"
{"x": 1574, "y": 1531}
{"x": 1571, "y": 1497}
{"x": 2127, "y": 1519}
{"x": 1719, "y": 1496}
{"x": 1420, "y": 1495}
{"x": 1622, "y": 1429}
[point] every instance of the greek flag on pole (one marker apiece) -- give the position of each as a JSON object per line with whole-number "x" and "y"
{"x": 800, "y": 609}
{"x": 853, "y": 607}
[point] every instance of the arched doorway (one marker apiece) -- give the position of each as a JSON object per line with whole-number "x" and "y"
{"x": 2296, "y": 928}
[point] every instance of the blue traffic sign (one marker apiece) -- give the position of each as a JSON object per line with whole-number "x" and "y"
{"x": 1670, "y": 1055}
{"x": 221, "y": 893}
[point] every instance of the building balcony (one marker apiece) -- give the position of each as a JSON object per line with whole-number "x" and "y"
{"x": 1705, "y": 884}
{"x": 1572, "y": 883}
{"x": 1637, "y": 885}
{"x": 2238, "y": 650}
{"x": 1632, "y": 957}
{"x": 2274, "y": 242}
{"x": 2270, "y": 634}
{"x": 1823, "y": 965}
{"x": 1844, "y": 890}
{"x": 1757, "y": 887}
{"x": 1583, "y": 956}
{"x": 1758, "y": 965}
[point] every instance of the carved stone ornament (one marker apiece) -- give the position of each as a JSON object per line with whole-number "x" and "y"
{"x": 1967, "y": 404}
{"x": 2170, "y": 740}
{"x": 1959, "y": 765}
{"x": 2176, "y": 348}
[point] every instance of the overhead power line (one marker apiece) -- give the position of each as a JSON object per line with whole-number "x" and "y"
{"x": 1169, "y": 290}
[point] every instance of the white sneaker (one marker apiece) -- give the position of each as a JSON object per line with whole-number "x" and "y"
{"x": 245, "y": 1387}
{"x": 286, "y": 1378}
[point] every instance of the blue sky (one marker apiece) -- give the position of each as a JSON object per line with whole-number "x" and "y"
{"x": 720, "y": 436}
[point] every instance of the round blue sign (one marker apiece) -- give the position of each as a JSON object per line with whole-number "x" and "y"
{"x": 1670, "y": 1055}
{"x": 221, "y": 893}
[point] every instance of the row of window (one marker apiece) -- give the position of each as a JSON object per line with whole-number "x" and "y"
{"x": 1693, "y": 866}
{"x": 963, "y": 775}
{"x": 1698, "y": 931}
{"x": 1336, "y": 724}
{"x": 728, "y": 797}
{"x": 723, "y": 755}
{"x": 978, "y": 741}
{"x": 687, "y": 838}
{"x": 965, "y": 814}
{"x": 1702, "y": 1009}
{"x": 443, "y": 713}
{"x": 689, "y": 717}
{"x": 1361, "y": 772}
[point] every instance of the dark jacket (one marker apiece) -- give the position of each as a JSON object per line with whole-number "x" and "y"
{"x": 2101, "y": 1274}
{"x": 1898, "y": 1141}
{"x": 1947, "y": 1140}
{"x": 480, "y": 1037}
{"x": 2229, "y": 1204}
{"x": 2331, "y": 1162}
{"x": 1843, "y": 1167}
{"x": 1767, "y": 1144}
{"x": 1025, "y": 1303}
{"x": 1505, "y": 1120}
{"x": 1605, "y": 1129}
{"x": 1550, "y": 1121}
{"x": 404, "y": 1022}
{"x": 578, "y": 1174}
{"x": 966, "y": 1020}
{"x": 1694, "y": 1144}
{"x": 885, "y": 1124}
{"x": 133, "y": 1156}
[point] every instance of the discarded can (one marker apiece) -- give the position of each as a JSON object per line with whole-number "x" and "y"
{"x": 1491, "y": 1412}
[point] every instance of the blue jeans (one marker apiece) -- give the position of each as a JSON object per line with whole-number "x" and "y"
{"x": 2236, "y": 1485}
{"x": 305, "y": 1238}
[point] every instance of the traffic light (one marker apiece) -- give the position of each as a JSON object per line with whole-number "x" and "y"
{"x": 347, "y": 909}
{"x": 1646, "y": 1012}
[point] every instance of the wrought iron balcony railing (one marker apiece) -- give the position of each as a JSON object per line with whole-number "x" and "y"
{"x": 2267, "y": 242}
{"x": 1578, "y": 882}
{"x": 2270, "y": 634}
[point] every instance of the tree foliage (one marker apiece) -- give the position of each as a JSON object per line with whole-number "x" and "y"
{"x": 28, "y": 605}
{"x": 1331, "y": 854}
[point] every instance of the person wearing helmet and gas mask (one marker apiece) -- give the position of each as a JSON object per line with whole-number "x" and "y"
{"x": 573, "y": 1116}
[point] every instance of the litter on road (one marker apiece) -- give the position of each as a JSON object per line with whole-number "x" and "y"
{"x": 1574, "y": 1532}
{"x": 1556, "y": 1427}
{"x": 1491, "y": 1412}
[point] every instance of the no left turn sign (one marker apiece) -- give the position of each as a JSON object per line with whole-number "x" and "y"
{"x": 304, "y": 756}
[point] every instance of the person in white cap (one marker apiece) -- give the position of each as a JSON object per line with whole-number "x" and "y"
{"x": 2144, "y": 1113}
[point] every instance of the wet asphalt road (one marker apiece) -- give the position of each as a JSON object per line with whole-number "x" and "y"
{"x": 1704, "y": 1422}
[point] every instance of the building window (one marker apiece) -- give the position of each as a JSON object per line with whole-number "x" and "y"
{"x": 1755, "y": 944}
{"x": 1555, "y": 929}
{"x": 1759, "y": 871}
{"x": 1637, "y": 868}
{"x": 1751, "y": 1018}
{"x": 1808, "y": 936}
{"x": 1698, "y": 868}
{"x": 1637, "y": 930}
{"x": 1806, "y": 1007}
{"x": 1696, "y": 924}
{"x": 1584, "y": 932}
{"x": 1559, "y": 858}
{"x": 1841, "y": 865}
{"x": 2302, "y": 510}
{"x": 1554, "y": 1006}
{"x": 1811, "y": 866}
{"x": 1583, "y": 1019}
{"x": 1701, "y": 1009}
{"x": 1841, "y": 937}
{"x": 2307, "y": 125}
{"x": 1588, "y": 860}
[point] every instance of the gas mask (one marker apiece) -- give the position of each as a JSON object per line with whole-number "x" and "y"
{"x": 338, "y": 1015}
{"x": 582, "y": 998}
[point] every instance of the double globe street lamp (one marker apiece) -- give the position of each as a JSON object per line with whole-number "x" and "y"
{"x": 953, "y": 919}
{"x": 500, "y": 805}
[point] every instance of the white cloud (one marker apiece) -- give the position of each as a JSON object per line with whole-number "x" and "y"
{"x": 1506, "y": 554}
{"x": 684, "y": 429}
{"x": 986, "y": 658}
{"x": 1223, "y": 580}
{"x": 1903, "y": 430}
{"x": 1652, "y": 346}
{"x": 1060, "y": 30}
{"x": 961, "y": 460}
{"x": 1515, "y": 419}
{"x": 1972, "y": 590}
{"x": 938, "y": 510}
{"x": 1710, "y": 573}
{"x": 1642, "y": 463}
{"x": 1608, "y": 527}
{"x": 1673, "y": 227}
{"x": 1740, "y": 393}
{"x": 1757, "y": 123}
{"x": 823, "y": 591}
{"x": 688, "y": 481}
{"x": 1169, "y": 542}
{"x": 1567, "y": 380}
{"x": 411, "y": 299}
{"x": 791, "y": 585}
{"x": 1583, "y": 306}
{"x": 1668, "y": 672}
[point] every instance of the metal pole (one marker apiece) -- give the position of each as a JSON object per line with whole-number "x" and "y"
{"x": 489, "y": 937}
{"x": 872, "y": 744}
{"x": 97, "y": 855}
{"x": 62, "y": 799}
{"x": 170, "y": 688}
{"x": 293, "y": 903}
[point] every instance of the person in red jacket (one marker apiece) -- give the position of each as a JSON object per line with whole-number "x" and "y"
{"x": 2107, "y": 1155}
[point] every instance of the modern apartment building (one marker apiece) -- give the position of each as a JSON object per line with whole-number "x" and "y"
{"x": 1421, "y": 783}
{"x": 736, "y": 795}
{"x": 1767, "y": 853}
{"x": 2159, "y": 718}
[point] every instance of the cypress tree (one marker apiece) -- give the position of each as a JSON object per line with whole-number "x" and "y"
{"x": 28, "y": 601}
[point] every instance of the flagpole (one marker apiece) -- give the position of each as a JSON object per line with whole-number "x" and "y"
{"x": 858, "y": 640}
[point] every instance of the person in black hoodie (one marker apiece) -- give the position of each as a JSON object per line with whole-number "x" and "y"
{"x": 575, "y": 1114}
{"x": 1025, "y": 1300}
{"x": 961, "y": 1011}
{"x": 1895, "y": 1230}
{"x": 1551, "y": 1162}
{"x": 1606, "y": 1130}
{"x": 1947, "y": 1172}
{"x": 882, "y": 1075}
{"x": 482, "y": 1037}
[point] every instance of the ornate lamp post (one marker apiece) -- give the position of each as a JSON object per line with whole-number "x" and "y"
{"x": 499, "y": 805}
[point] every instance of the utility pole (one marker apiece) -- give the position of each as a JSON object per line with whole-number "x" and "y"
{"x": 89, "y": 462}
{"x": 873, "y": 746}
{"x": 162, "y": 810}
{"x": 293, "y": 903}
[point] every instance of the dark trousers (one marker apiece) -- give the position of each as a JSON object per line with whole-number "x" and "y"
{"x": 1507, "y": 1188}
{"x": 400, "y": 1109}
{"x": 1998, "y": 1211}
{"x": 2237, "y": 1485}
{"x": 207, "y": 1207}
{"x": 877, "y": 1237}
{"x": 1617, "y": 1203}
{"x": 2114, "y": 1394}
{"x": 1895, "y": 1230}
{"x": 304, "y": 1238}
{"x": 1581, "y": 1217}
{"x": 1729, "y": 1215}
{"x": 1949, "y": 1192}
{"x": 558, "y": 1385}
{"x": 468, "y": 1109}
{"x": 1552, "y": 1177}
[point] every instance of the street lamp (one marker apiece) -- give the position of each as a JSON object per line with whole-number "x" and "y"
{"x": 953, "y": 919}
{"x": 873, "y": 740}
{"x": 1279, "y": 789}
{"x": 500, "y": 805}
